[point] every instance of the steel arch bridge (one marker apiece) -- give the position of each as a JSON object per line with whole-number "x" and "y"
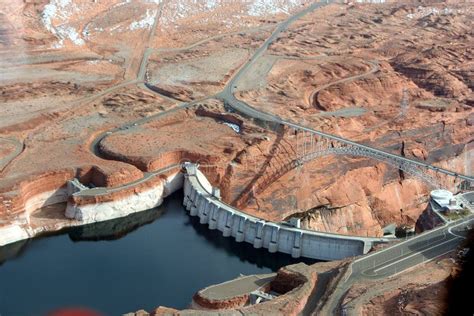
{"x": 304, "y": 145}
{"x": 311, "y": 144}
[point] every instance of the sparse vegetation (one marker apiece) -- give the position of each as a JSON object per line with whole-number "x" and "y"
{"x": 457, "y": 215}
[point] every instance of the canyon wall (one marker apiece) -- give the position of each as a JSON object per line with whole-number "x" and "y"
{"x": 82, "y": 210}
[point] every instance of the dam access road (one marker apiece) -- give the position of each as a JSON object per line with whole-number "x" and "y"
{"x": 399, "y": 258}
{"x": 228, "y": 96}
{"x": 381, "y": 264}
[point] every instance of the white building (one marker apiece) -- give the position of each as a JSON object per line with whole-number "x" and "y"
{"x": 445, "y": 200}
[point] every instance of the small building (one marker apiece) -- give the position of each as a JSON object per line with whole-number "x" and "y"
{"x": 441, "y": 197}
{"x": 446, "y": 201}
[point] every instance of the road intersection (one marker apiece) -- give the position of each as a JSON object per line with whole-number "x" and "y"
{"x": 381, "y": 264}
{"x": 400, "y": 257}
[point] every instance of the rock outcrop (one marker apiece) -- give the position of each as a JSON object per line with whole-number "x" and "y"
{"x": 427, "y": 220}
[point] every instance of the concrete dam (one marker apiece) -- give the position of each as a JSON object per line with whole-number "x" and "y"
{"x": 203, "y": 200}
{"x": 200, "y": 199}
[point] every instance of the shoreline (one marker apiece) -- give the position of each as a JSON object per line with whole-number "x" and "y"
{"x": 87, "y": 206}
{"x": 76, "y": 214}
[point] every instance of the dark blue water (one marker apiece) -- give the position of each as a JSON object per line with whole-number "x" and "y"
{"x": 157, "y": 257}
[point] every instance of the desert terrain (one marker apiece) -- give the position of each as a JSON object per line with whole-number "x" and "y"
{"x": 108, "y": 92}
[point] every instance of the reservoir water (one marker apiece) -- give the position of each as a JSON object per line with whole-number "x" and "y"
{"x": 157, "y": 257}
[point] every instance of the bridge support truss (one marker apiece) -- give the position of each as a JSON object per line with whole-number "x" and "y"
{"x": 311, "y": 145}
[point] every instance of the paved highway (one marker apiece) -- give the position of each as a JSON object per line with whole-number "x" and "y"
{"x": 400, "y": 257}
{"x": 374, "y": 67}
{"x": 380, "y": 264}
{"x": 227, "y": 95}
{"x": 414, "y": 251}
{"x": 5, "y": 161}
{"x": 98, "y": 191}
{"x": 384, "y": 263}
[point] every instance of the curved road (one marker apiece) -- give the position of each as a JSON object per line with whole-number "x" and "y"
{"x": 211, "y": 38}
{"x": 398, "y": 258}
{"x": 227, "y": 95}
{"x": 374, "y": 67}
{"x": 380, "y": 264}
{"x": 5, "y": 161}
